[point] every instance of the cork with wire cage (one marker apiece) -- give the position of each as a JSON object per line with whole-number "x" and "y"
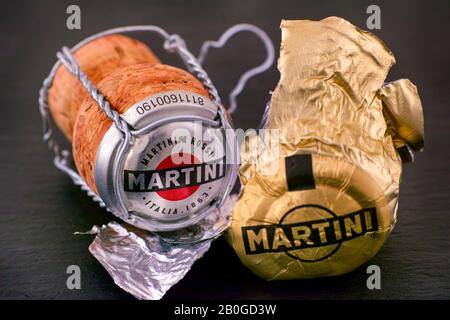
{"x": 125, "y": 71}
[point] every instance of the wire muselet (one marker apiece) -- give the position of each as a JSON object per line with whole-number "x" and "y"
{"x": 172, "y": 43}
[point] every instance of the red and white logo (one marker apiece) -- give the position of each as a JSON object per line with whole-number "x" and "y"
{"x": 172, "y": 184}
{"x": 183, "y": 192}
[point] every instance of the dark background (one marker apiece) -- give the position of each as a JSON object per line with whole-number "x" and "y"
{"x": 40, "y": 208}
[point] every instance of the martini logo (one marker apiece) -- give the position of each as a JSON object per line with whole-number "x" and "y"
{"x": 172, "y": 181}
{"x": 309, "y": 233}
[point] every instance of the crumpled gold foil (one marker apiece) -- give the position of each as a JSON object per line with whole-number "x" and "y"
{"x": 403, "y": 113}
{"x": 340, "y": 124}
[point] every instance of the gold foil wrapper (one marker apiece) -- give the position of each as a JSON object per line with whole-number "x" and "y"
{"x": 403, "y": 113}
{"x": 331, "y": 202}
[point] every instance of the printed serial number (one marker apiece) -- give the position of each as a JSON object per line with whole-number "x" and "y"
{"x": 258, "y": 309}
{"x": 168, "y": 99}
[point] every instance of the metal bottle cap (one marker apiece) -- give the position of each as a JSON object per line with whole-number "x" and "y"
{"x": 180, "y": 167}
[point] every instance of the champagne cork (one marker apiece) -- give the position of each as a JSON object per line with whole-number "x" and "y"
{"x": 122, "y": 89}
{"x": 175, "y": 169}
{"x": 97, "y": 59}
{"x": 125, "y": 71}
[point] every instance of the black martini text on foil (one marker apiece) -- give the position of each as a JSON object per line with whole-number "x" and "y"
{"x": 309, "y": 234}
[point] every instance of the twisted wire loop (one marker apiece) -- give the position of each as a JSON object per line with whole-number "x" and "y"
{"x": 62, "y": 158}
{"x": 243, "y": 79}
{"x": 72, "y": 66}
{"x": 175, "y": 43}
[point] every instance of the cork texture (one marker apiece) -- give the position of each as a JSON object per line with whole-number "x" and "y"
{"x": 122, "y": 89}
{"x": 97, "y": 59}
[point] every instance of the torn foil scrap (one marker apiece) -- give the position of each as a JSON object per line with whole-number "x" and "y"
{"x": 140, "y": 262}
{"x": 147, "y": 264}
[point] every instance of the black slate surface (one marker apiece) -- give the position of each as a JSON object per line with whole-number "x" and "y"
{"x": 40, "y": 208}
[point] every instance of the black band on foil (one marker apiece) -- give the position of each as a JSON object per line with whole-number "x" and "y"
{"x": 299, "y": 172}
